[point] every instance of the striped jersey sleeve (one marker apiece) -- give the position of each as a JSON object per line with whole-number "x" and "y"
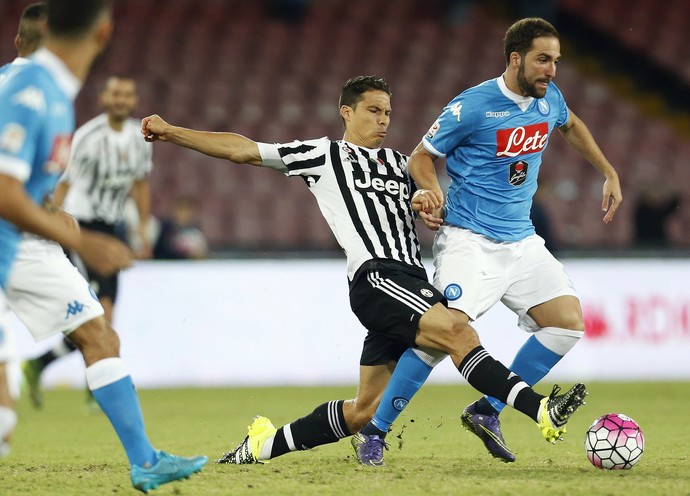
{"x": 363, "y": 193}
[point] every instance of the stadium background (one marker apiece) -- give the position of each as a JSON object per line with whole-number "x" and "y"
{"x": 272, "y": 69}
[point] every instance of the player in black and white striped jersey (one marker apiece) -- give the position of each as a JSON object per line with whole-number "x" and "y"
{"x": 109, "y": 162}
{"x": 365, "y": 194}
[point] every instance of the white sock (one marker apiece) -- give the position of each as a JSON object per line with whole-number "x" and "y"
{"x": 430, "y": 356}
{"x": 558, "y": 340}
{"x": 105, "y": 372}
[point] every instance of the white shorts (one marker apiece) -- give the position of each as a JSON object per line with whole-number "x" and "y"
{"x": 474, "y": 273}
{"x": 47, "y": 292}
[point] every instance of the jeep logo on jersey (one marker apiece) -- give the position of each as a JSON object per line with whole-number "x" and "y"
{"x": 518, "y": 173}
{"x": 521, "y": 140}
{"x": 391, "y": 187}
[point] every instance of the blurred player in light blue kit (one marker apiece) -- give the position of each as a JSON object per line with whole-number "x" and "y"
{"x": 43, "y": 288}
{"x": 29, "y": 34}
{"x": 486, "y": 250}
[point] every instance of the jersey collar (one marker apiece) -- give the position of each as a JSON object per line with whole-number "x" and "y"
{"x": 67, "y": 81}
{"x": 521, "y": 101}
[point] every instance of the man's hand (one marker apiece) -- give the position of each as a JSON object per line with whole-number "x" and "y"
{"x": 103, "y": 253}
{"x": 433, "y": 220}
{"x": 154, "y": 128}
{"x": 426, "y": 200}
{"x": 429, "y": 204}
{"x": 612, "y": 198}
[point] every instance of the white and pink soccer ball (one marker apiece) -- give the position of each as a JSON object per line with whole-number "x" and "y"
{"x": 614, "y": 442}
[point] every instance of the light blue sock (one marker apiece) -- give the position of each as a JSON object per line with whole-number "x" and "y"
{"x": 120, "y": 403}
{"x": 532, "y": 362}
{"x": 409, "y": 375}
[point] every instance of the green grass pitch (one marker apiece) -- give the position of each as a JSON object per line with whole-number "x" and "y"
{"x": 65, "y": 450}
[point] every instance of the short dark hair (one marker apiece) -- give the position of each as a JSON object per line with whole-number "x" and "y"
{"x": 120, "y": 76}
{"x": 33, "y": 12}
{"x": 74, "y": 18}
{"x": 353, "y": 89}
{"x": 30, "y": 31}
{"x": 521, "y": 35}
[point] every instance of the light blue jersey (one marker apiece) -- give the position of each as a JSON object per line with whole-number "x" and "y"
{"x": 36, "y": 126}
{"x": 493, "y": 141}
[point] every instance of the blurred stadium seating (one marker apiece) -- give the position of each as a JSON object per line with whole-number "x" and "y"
{"x": 657, "y": 29}
{"x": 237, "y": 65}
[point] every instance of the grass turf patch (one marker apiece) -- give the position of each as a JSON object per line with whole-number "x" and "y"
{"x": 66, "y": 450}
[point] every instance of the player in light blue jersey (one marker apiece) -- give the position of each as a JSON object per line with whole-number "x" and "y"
{"x": 494, "y": 177}
{"x": 29, "y": 34}
{"x": 43, "y": 288}
{"x": 486, "y": 250}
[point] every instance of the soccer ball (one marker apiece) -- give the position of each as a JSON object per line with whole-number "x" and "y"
{"x": 614, "y": 442}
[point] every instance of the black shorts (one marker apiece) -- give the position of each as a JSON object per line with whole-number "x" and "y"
{"x": 104, "y": 287}
{"x": 389, "y": 298}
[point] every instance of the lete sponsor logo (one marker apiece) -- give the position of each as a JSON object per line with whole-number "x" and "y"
{"x": 521, "y": 140}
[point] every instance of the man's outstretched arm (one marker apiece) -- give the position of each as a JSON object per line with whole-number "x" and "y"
{"x": 230, "y": 146}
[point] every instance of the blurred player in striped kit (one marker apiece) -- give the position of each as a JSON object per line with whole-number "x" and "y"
{"x": 486, "y": 250}
{"x": 365, "y": 194}
{"x": 43, "y": 288}
{"x": 109, "y": 162}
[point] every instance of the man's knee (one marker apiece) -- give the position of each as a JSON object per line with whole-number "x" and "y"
{"x": 437, "y": 329}
{"x": 564, "y": 312}
{"x": 570, "y": 318}
{"x": 574, "y": 320}
{"x": 452, "y": 337}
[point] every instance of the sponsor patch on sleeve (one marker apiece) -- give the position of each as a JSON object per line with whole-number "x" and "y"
{"x": 433, "y": 129}
{"x": 12, "y": 138}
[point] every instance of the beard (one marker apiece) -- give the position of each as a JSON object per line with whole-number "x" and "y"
{"x": 528, "y": 88}
{"x": 119, "y": 114}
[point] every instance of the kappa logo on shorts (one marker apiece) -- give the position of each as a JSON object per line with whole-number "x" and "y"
{"x": 452, "y": 292}
{"x": 74, "y": 308}
{"x": 427, "y": 293}
{"x": 399, "y": 403}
